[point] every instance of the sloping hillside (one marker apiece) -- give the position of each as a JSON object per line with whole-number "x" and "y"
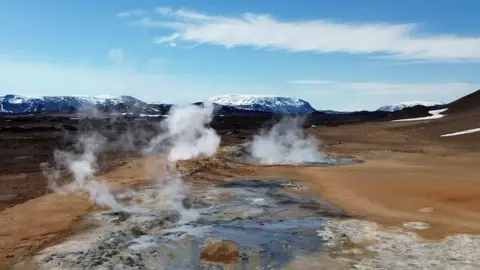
{"x": 467, "y": 103}
{"x": 461, "y": 115}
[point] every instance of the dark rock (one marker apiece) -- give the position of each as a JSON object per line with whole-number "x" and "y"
{"x": 137, "y": 232}
{"x": 187, "y": 203}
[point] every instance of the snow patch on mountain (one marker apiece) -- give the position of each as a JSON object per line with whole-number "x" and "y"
{"x": 14, "y": 100}
{"x": 33, "y": 104}
{"x": 408, "y": 104}
{"x": 264, "y": 103}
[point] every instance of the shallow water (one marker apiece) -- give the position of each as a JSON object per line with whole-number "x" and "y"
{"x": 267, "y": 225}
{"x": 333, "y": 161}
{"x": 242, "y": 154}
{"x": 321, "y": 162}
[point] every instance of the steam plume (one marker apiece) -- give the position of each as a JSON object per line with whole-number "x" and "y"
{"x": 82, "y": 166}
{"x": 285, "y": 143}
{"x": 186, "y": 134}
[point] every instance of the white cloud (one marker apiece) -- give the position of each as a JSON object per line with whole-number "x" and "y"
{"x": 164, "y": 10}
{"x": 432, "y": 89}
{"x": 382, "y": 88}
{"x": 167, "y": 39}
{"x": 116, "y": 55}
{"x": 131, "y": 13}
{"x": 399, "y": 41}
{"x": 310, "y": 82}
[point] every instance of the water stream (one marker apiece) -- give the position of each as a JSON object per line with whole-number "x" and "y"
{"x": 242, "y": 224}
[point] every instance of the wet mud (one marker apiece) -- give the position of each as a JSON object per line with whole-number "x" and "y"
{"x": 242, "y": 224}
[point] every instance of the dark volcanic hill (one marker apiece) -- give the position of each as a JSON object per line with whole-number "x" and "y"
{"x": 465, "y": 104}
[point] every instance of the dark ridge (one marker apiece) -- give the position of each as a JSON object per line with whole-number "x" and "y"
{"x": 467, "y": 103}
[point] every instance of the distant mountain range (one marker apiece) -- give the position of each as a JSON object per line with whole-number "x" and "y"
{"x": 408, "y": 104}
{"x": 230, "y": 104}
{"x": 226, "y": 104}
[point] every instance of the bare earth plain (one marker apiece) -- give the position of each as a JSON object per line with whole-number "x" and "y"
{"x": 408, "y": 168}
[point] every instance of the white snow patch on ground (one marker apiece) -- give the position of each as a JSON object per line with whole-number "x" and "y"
{"x": 461, "y": 132}
{"x": 435, "y": 114}
{"x": 399, "y": 249}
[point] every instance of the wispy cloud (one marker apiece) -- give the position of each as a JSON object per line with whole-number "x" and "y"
{"x": 430, "y": 89}
{"x": 167, "y": 39}
{"x": 310, "y": 82}
{"x": 387, "y": 88}
{"x": 376, "y": 39}
{"x": 131, "y": 13}
{"x": 116, "y": 55}
{"x": 163, "y": 10}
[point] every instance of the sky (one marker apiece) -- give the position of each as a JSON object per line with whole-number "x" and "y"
{"x": 342, "y": 55}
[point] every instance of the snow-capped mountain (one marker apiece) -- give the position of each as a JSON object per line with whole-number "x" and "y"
{"x": 264, "y": 103}
{"x": 408, "y": 104}
{"x": 228, "y": 104}
{"x": 23, "y": 104}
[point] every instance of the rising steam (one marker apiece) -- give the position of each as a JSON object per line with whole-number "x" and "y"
{"x": 185, "y": 134}
{"x": 285, "y": 143}
{"x": 82, "y": 166}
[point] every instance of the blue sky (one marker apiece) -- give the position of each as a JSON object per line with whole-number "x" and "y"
{"x": 345, "y": 55}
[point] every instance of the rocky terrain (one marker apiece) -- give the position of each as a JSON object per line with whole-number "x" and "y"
{"x": 412, "y": 184}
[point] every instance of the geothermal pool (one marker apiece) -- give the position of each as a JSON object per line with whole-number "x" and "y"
{"x": 243, "y": 154}
{"x": 242, "y": 224}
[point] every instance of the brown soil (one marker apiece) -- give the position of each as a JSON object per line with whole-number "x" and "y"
{"x": 27, "y": 227}
{"x": 408, "y": 167}
{"x": 223, "y": 252}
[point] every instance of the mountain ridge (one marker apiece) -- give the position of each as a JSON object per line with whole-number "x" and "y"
{"x": 265, "y": 103}
{"x": 229, "y": 104}
{"x": 407, "y": 104}
{"x": 12, "y": 103}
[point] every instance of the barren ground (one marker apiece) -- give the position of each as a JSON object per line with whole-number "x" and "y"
{"x": 408, "y": 167}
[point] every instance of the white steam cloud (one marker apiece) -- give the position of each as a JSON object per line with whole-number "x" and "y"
{"x": 82, "y": 167}
{"x": 170, "y": 192}
{"x": 285, "y": 143}
{"x": 185, "y": 134}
